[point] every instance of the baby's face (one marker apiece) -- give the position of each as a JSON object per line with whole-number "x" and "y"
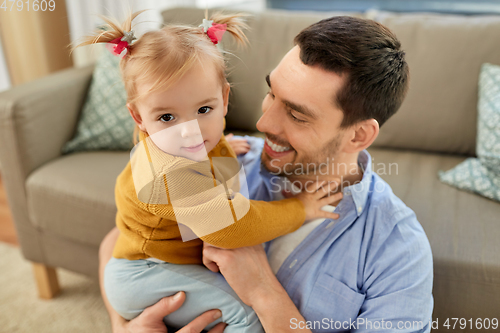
{"x": 187, "y": 119}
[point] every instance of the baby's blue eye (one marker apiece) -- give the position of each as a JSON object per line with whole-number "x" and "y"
{"x": 167, "y": 117}
{"x": 205, "y": 109}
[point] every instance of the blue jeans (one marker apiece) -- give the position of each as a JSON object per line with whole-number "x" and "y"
{"x": 133, "y": 285}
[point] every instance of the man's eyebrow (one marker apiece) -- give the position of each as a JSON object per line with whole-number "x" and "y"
{"x": 300, "y": 109}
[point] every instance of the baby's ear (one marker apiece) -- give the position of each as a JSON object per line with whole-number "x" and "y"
{"x": 136, "y": 116}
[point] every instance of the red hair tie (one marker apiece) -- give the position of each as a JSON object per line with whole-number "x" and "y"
{"x": 117, "y": 45}
{"x": 213, "y": 30}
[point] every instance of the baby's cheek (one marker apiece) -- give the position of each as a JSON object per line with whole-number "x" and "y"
{"x": 214, "y": 129}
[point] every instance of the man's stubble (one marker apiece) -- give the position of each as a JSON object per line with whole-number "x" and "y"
{"x": 308, "y": 165}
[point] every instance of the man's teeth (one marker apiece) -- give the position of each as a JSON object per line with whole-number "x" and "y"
{"x": 275, "y": 147}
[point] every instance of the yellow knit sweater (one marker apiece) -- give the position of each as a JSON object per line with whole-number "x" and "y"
{"x": 149, "y": 226}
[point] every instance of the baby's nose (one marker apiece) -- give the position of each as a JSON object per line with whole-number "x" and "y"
{"x": 190, "y": 129}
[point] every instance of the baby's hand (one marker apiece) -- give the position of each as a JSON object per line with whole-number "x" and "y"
{"x": 318, "y": 195}
{"x": 240, "y": 146}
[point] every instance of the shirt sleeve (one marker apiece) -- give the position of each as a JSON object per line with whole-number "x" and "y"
{"x": 398, "y": 281}
{"x": 256, "y": 145}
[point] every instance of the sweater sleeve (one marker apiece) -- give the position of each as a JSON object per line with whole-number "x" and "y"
{"x": 216, "y": 221}
{"x": 263, "y": 222}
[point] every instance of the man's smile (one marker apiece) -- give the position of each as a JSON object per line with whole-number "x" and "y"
{"x": 274, "y": 150}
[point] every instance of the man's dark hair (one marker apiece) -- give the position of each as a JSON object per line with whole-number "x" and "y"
{"x": 369, "y": 53}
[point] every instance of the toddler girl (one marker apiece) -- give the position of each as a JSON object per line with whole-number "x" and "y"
{"x": 183, "y": 184}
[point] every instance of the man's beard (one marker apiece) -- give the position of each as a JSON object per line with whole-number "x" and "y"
{"x": 306, "y": 166}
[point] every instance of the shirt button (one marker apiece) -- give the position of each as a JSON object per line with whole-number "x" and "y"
{"x": 293, "y": 263}
{"x": 330, "y": 224}
{"x": 223, "y": 151}
{"x": 360, "y": 209}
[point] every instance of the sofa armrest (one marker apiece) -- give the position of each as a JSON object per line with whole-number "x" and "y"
{"x": 36, "y": 119}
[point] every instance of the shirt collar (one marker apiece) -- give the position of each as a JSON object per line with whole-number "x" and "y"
{"x": 358, "y": 192}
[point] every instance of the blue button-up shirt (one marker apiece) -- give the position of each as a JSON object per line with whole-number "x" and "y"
{"x": 369, "y": 271}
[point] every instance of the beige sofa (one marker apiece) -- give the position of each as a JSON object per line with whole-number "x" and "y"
{"x": 63, "y": 205}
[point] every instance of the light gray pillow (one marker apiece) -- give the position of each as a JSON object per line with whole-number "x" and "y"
{"x": 105, "y": 123}
{"x": 482, "y": 175}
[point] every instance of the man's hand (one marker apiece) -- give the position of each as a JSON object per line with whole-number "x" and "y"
{"x": 246, "y": 270}
{"x": 240, "y": 146}
{"x": 151, "y": 319}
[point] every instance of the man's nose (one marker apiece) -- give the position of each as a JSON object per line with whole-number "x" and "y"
{"x": 271, "y": 120}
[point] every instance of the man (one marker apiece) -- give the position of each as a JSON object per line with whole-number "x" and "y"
{"x": 370, "y": 270}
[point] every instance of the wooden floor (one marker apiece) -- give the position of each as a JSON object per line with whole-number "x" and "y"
{"x": 7, "y": 230}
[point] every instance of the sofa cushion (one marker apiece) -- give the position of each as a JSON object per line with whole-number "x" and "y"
{"x": 482, "y": 175}
{"x": 445, "y": 54}
{"x": 105, "y": 123}
{"x": 73, "y": 196}
{"x": 462, "y": 227}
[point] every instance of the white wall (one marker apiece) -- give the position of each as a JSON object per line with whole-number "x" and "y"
{"x": 4, "y": 73}
{"x": 250, "y": 5}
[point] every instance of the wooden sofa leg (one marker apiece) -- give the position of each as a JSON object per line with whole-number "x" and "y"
{"x": 46, "y": 280}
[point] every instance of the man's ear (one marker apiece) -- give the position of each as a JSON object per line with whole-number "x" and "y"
{"x": 225, "y": 96}
{"x": 136, "y": 116}
{"x": 365, "y": 132}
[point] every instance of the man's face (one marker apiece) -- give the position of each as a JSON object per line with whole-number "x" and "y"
{"x": 300, "y": 120}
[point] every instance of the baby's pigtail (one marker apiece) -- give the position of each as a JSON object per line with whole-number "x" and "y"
{"x": 235, "y": 25}
{"x": 114, "y": 30}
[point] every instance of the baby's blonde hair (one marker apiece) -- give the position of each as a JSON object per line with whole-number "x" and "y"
{"x": 165, "y": 55}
